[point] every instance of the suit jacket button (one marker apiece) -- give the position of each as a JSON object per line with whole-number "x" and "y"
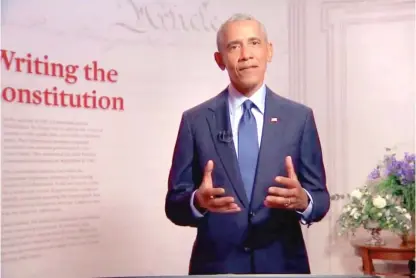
{"x": 252, "y": 214}
{"x": 247, "y": 249}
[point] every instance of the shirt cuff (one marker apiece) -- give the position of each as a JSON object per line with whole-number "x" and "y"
{"x": 307, "y": 212}
{"x": 195, "y": 212}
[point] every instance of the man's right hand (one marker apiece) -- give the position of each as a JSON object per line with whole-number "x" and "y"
{"x": 208, "y": 198}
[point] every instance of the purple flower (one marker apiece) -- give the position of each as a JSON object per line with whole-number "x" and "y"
{"x": 375, "y": 174}
{"x": 402, "y": 170}
{"x": 407, "y": 170}
{"x": 409, "y": 158}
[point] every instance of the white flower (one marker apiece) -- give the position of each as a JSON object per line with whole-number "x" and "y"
{"x": 353, "y": 211}
{"x": 407, "y": 215}
{"x": 356, "y": 215}
{"x": 401, "y": 210}
{"x": 379, "y": 202}
{"x": 356, "y": 194}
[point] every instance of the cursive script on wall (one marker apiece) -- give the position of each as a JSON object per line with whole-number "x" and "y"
{"x": 168, "y": 17}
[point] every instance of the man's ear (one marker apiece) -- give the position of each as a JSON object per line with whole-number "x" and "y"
{"x": 269, "y": 52}
{"x": 218, "y": 59}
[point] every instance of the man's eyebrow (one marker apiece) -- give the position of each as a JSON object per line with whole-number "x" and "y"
{"x": 234, "y": 42}
{"x": 254, "y": 39}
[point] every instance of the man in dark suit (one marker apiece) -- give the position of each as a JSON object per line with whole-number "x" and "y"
{"x": 247, "y": 167}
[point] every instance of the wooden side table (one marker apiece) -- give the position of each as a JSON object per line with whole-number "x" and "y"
{"x": 393, "y": 250}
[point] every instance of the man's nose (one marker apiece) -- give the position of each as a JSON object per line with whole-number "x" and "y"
{"x": 245, "y": 53}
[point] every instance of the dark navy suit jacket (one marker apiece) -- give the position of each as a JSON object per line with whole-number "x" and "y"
{"x": 257, "y": 239}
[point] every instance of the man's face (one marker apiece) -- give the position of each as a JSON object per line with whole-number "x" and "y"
{"x": 244, "y": 52}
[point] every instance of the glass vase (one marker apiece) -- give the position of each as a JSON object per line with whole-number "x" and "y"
{"x": 375, "y": 232}
{"x": 409, "y": 237}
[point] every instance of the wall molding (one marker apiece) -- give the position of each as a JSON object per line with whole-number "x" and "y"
{"x": 297, "y": 58}
{"x": 336, "y": 18}
{"x": 297, "y": 49}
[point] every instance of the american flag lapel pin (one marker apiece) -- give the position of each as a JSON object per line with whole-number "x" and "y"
{"x": 274, "y": 120}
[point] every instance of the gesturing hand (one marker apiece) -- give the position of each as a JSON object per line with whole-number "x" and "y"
{"x": 292, "y": 196}
{"x": 208, "y": 197}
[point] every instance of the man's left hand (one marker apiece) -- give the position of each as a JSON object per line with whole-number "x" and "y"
{"x": 291, "y": 196}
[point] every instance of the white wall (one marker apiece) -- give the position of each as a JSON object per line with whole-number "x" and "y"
{"x": 358, "y": 74}
{"x": 352, "y": 61}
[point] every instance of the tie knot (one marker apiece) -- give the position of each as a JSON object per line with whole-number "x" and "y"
{"x": 248, "y": 104}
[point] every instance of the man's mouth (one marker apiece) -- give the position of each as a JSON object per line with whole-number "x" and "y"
{"x": 247, "y": 67}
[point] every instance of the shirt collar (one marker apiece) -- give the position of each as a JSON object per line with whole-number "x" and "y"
{"x": 236, "y": 99}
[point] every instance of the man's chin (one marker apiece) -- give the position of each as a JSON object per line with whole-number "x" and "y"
{"x": 246, "y": 87}
{"x": 250, "y": 82}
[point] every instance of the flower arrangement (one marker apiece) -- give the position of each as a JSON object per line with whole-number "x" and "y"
{"x": 371, "y": 209}
{"x": 397, "y": 177}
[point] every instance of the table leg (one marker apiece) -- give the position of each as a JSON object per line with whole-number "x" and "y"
{"x": 368, "y": 267}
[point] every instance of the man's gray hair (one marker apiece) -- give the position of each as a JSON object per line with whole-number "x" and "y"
{"x": 234, "y": 18}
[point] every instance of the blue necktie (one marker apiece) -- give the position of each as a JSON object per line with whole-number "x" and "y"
{"x": 248, "y": 147}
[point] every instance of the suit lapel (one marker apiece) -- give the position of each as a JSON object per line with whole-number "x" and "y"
{"x": 221, "y": 132}
{"x": 273, "y": 138}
